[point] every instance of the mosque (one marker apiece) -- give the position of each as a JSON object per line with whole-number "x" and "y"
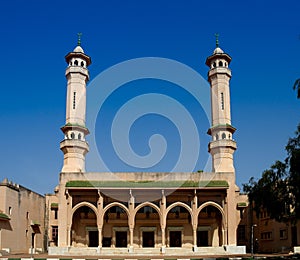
{"x": 140, "y": 212}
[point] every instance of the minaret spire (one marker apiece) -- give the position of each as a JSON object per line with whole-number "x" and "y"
{"x": 217, "y": 39}
{"x": 79, "y": 39}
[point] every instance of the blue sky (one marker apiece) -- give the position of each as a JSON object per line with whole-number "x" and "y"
{"x": 262, "y": 37}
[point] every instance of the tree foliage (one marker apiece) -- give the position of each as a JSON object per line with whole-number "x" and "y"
{"x": 278, "y": 190}
{"x": 297, "y": 87}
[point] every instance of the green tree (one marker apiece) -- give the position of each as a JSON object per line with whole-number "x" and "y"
{"x": 278, "y": 190}
{"x": 297, "y": 87}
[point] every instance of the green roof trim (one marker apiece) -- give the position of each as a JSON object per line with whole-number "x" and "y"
{"x": 147, "y": 184}
{"x": 242, "y": 205}
{"x": 4, "y": 216}
{"x": 54, "y": 205}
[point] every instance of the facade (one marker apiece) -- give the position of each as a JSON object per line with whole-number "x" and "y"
{"x": 265, "y": 235}
{"x": 21, "y": 219}
{"x": 106, "y": 213}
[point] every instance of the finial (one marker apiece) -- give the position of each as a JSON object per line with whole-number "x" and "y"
{"x": 217, "y": 39}
{"x": 79, "y": 38}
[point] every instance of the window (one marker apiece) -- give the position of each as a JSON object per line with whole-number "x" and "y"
{"x": 27, "y": 215}
{"x": 9, "y": 210}
{"x": 241, "y": 233}
{"x": 222, "y": 101}
{"x": 72, "y": 135}
{"x": 220, "y": 63}
{"x": 74, "y": 99}
{"x": 283, "y": 234}
{"x": 266, "y": 235}
{"x": 55, "y": 234}
{"x": 55, "y": 213}
{"x": 223, "y": 136}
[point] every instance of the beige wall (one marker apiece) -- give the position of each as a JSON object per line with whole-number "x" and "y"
{"x": 25, "y": 208}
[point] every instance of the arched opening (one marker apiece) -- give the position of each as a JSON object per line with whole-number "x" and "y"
{"x": 209, "y": 231}
{"x": 115, "y": 232}
{"x": 147, "y": 226}
{"x": 82, "y": 64}
{"x": 84, "y": 231}
{"x": 220, "y": 63}
{"x": 72, "y": 135}
{"x": 179, "y": 228}
{"x": 223, "y": 136}
{"x": 79, "y": 136}
{"x": 76, "y": 62}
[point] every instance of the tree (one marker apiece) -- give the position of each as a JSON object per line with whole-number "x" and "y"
{"x": 278, "y": 190}
{"x": 297, "y": 87}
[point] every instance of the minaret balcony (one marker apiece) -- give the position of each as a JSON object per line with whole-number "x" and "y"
{"x": 219, "y": 70}
{"x": 77, "y": 69}
{"x": 223, "y": 143}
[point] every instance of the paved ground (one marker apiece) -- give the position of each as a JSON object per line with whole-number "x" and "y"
{"x": 134, "y": 256}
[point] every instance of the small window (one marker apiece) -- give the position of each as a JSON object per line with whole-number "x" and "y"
{"x": 74, "y": 99}
{"x": 220, "y": 63}
{"x": 283, "y": 234}
{"x": 55, "y": 213}
{"x": 27, "y": 215}
{"x": 223, "y": 136}
{"x": 72, "y": 135}
{"x": 82, "y": 64}
{"x": 214, "y": 64}
{"x": 9, "y": 210}
{"x": 76, "y": 62}
{"x": 222, "y": 101}
{"x": 217, "y": 137}
{"x": 79, "y": 136}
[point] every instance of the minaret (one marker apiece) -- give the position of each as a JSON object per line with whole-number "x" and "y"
{"x": 74, "y": 145}
{"x": 222, "y": 146}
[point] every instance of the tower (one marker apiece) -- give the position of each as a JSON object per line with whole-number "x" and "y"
{"x": 74, "y": 145}
{"x": 222, "y": 146}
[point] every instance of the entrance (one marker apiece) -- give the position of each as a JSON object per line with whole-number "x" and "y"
{"x": 294, "y": 235}
{"x": 202, "y": 238}
{"x": 175, "y": 238}
{"x": 121, "y": 238}
{"x": 148, "y": 239}
{"x": 93, "y": 238}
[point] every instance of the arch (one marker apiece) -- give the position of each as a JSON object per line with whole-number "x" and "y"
{"x": 177, "y": 204}
{"x": 181, "y": 204}
{"x": 220, "y": 63}
{"x": 79, "y": 136}
{"x": 216, "y": 205}
{"x": 72, "y": 135}
{"x": 82, "y": 64}
{"x": 82, "y": 204}
{"x": 76, "y": 62}
{"x": 223, "y": 136}
{"x": 115, "y": 204}
{"x": 144, "y": 204}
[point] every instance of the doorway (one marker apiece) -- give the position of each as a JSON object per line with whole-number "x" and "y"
{"x": 121, "y": 238}
{"x": 148, "y": 239}
{"x": 93, "y": 238}
{"x": 175, "y": 239}
{"x": 202, "y": 238}
{"x": 294, "y": 236}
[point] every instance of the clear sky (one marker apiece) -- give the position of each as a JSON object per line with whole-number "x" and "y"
{"x": 262, "y": 37}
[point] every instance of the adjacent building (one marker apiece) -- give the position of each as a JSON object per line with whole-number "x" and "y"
{"x": 21, "y": 219}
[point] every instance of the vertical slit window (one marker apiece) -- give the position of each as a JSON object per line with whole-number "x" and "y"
{"x": 222, "y": 101}
{"x": 74, "y": 100}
